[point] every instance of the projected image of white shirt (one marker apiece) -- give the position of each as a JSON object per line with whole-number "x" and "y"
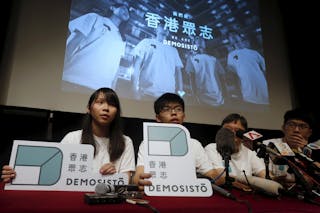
{"x": 249, "y": 66}
{"x": 94, "y": 50}
{"x": 157, "y": 67}
{"x": 204, "y": 71}
{"x": 157, "y": 73}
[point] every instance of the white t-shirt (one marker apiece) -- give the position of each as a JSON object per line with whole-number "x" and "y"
{"x": 201, "y": 160}
{"x": 250, "y": 68}
{"x": 158, "y": 69}
{"x": 92, "y": 59}
{"x": 208, "y": 87}
{"x": 124, "y": 164}
{"x": 245, "y": 159}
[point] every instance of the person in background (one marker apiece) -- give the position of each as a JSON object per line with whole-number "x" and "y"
{"x": 169, "y": 108}
{"x": 242, "y": 159}
{"x": 205, "y": 72}
{"x": 157, "y": 67}
{"x": 297, "y": 129}
{"x": 113, "y": 151}
{"x": 249, "y": 65}
{"x": 95, "y": 42}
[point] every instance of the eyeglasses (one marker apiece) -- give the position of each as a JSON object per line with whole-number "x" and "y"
{"x": 168, "y": 109}
{"x": 293, "y": 125}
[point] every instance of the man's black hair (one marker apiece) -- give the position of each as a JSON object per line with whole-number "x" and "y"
{"x": 299, "y": 114}
{"x": 165, "y": 99}
{"x": 235, "y": 117}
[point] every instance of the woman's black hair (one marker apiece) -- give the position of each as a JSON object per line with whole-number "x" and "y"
{"x": 116, "y": 138}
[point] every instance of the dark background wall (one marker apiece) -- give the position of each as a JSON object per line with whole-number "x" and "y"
{"x": 300, "y": 20}
{"x": 300, "y": 24}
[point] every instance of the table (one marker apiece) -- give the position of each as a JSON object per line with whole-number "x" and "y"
{"x": 66, "y": 201}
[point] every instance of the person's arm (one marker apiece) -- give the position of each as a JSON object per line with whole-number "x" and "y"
{"x": 178, "y": 75}
{"x": 258, "y": 165}
{"x": 135, "y": 78}
{"x": 217, "y": 175}
{"x": 281, "y": 176}
{"x": 79, "y": 29}
{"x": 107, "y": 169}
{"x": 7, "y": 174}
{"x": 296, "y": 141}
{"x": 140, "y": 177}
{"x": 179, "y": 85}
{"x": 140, "y": 53}
{"x": 261, "y": 174}
{"x": 261, "y": 63}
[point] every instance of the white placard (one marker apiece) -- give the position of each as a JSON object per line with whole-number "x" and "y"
{"x": 54, "y": 166}
{"x": 170, "y": 161}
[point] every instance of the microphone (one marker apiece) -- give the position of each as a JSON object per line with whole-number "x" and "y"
{"x": 284, "y": 155}
{"x": 223, "y": 192}
{"x": 304, "y": 157}
{"x": 303, "y": 161}
{"x": 111, "y": 194}
{"x": 312, "y": 150}
{"x": 102, "y": 188}
{"x": 262, "y": 150}
{"x": 225, "y": 142}
{"x": 217, "y": 188}
{"x": 226, "y": 147}
{"x": 252, "y": 136}
{"x": 310, "y": 166}
{"x": 302, "y": 174}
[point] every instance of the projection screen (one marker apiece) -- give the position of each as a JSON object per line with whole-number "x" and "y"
{"x": 220, "y": 56}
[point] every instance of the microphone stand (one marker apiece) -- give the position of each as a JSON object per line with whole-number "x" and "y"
{"x": 308, "y": 183}
{"x": 262, "y": 153}
{"x": 266, "y": 162}
{"x": 228, "y": 179}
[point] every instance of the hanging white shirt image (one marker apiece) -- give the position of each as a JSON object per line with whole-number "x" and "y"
{"x": 249, "y": 65}
{"x": 157, "y": 72}
{"x": 207, "y": 83}
{"x": 94, "y": 50}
